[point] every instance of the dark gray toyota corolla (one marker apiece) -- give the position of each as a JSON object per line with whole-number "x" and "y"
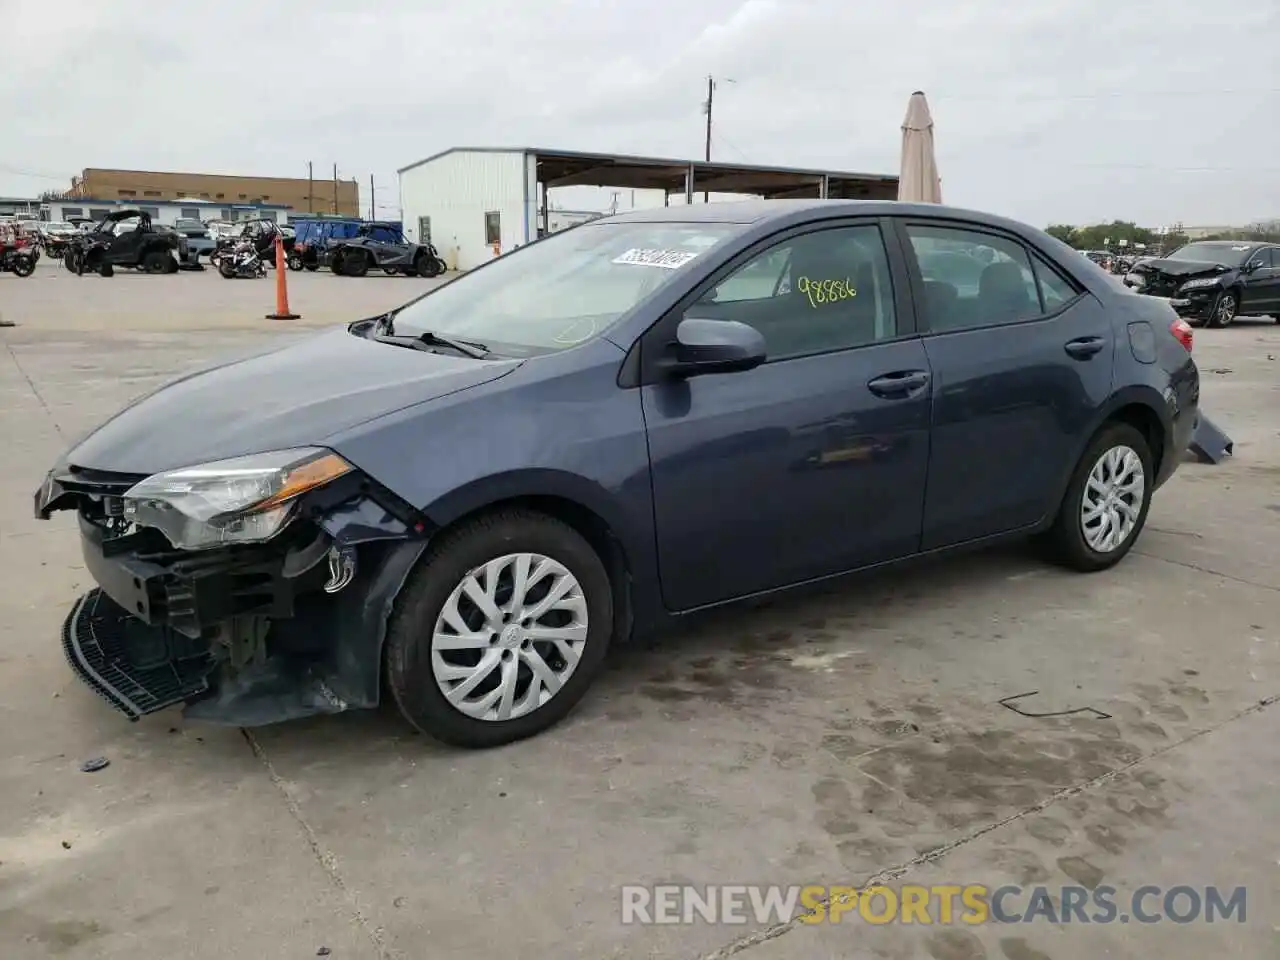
{"x": 465, "y": 501}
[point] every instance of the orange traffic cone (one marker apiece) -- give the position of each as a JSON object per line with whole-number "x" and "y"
{"x": 282, "y": 286}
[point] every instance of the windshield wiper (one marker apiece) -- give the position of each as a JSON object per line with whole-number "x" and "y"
{"x": 470, "y": 348}
{"x": 425, "y": 341}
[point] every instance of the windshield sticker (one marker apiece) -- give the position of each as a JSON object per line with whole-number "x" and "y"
{"x": 577, "y": 332}
{"x": 821, "y": 292}
{"x": 667, "y": 259}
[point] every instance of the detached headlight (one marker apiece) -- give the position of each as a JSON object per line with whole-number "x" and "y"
{"x": 242, "y": 500}
{"x": 1200, "y": 283}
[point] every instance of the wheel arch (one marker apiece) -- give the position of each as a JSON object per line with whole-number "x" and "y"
{"x": 574, "y": 500}
{"x": 1140, "y": 406}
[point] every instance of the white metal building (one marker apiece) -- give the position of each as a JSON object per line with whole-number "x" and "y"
{"x": 475, "y": 203}
{"x": 166, "y": 211}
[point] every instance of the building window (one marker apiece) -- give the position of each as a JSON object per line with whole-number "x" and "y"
{"x": 72, "y": 212}
{"x": 152, "y": 212}
{"x": 97, "y": 213}
{"x": 127, "y": 193}
{"x": 218, "y": 196}
{"x": 227, "y": 213}
{"x": 190, "y": 213}
{"x": 243, "y": 196}
{"x": 492, "y": 227}
{"x": 269, "y": 215}
{"x": 204, "y": 196}
{"x": 424, "y": 229}
{"x": 151, "y": 193}
{"x": 264, "y": 198}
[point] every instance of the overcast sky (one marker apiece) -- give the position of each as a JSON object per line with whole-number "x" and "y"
{"x": 1048, "y": 111}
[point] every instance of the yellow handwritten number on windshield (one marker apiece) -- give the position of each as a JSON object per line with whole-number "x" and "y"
{"x": 826, "y": 291}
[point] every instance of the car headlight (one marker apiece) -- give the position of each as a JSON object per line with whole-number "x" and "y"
{"x": 241, "y": 500}
{"x": 1200, "y": 283}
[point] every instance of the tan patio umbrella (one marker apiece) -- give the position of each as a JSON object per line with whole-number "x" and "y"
{"x": 918, "y": 180}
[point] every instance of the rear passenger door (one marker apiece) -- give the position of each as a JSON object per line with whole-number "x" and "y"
{"x": 1021, "y": 357}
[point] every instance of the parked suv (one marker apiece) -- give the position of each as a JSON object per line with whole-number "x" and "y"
{"x": 312, "y": 236}
{"x": 1211, "y": 282}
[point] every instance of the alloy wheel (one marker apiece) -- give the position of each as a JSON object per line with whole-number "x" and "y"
{"x": 1113, "y": 498}
{"x": 509, "y": 636}
{"x": 1225, "y": 310}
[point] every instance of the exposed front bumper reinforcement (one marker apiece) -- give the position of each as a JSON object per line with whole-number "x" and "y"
{"x": 137, "y": 668}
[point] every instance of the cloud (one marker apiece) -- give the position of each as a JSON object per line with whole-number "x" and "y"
{"x": 1059, "y": 110}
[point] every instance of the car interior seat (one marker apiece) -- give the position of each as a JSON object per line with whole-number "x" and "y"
{"x": 1003, "y": 295}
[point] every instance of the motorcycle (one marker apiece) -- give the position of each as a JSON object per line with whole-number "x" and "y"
{"x": 242, "y": 260}
{"x": 18, "y": 254}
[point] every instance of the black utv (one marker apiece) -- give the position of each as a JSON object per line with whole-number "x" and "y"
{"x": 125, "y": 238}
{"x": 382, "y": 246}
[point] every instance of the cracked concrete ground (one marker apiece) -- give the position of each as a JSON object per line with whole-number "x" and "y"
{"x": 839, "y": 738}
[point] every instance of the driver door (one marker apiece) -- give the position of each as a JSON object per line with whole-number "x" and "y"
{"x": 1261, "y": 289}
{"x": 126, "y": 244}
{"x": 813, "y": 463}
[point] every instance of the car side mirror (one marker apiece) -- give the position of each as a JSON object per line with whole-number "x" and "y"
{"x": 705, "y": 345}
{"x": 1252, "y": 265}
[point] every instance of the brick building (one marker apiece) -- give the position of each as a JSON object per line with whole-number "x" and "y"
{"x": 140, "y": 186}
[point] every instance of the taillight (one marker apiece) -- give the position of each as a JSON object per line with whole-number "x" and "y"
{"x": 1182, "y": 331}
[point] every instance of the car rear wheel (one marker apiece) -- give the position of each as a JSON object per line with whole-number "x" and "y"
{"x": 157, "y": 261}
{"x": 356, "y": 264}
{"x": 500, "y": 631}
{"x": 1106, "y": 504}
{"x": 294, "y": 262}
{"x": 24, "y": 266}
{"x": 1224, "y": 309}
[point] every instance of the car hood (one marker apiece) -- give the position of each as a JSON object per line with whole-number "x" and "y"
{"x": 294, "y": 396}
{"x": 1181, "y": 268}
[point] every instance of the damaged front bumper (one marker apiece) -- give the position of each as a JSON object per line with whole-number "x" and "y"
{"x": 243, "y": 635}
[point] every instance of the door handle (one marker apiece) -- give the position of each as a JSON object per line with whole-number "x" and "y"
{"x": 1082, "y": 348}
{"x": 893, "y": 385}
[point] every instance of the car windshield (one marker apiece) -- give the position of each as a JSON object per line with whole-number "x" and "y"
{"x": 1227, "y": 254}
{"x": 60, "y": 225}
{"x": 188, "y": 224}
{"x": 562, "y": 290}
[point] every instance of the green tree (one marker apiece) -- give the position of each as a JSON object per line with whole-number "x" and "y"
{"x": 1064, "y": 232}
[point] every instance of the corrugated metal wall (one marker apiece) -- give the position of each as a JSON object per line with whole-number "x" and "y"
{"x": 456, "y": 192}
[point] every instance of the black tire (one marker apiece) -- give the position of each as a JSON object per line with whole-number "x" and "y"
{"x": 294, "y": 262}
{"x": 157, "y": 261}
{"x": 226, "y": 269}
{"x": 410, "y": 678}
{"x": 1225, "y": 308}
{"x": 427, "y": 266}
{"x": 1066, "y": 538}
{"x": 24, "y": 266}
{"x": 106, "y": 270}
{"x": 337, "y": 263}
{"x": 356, "y": 264}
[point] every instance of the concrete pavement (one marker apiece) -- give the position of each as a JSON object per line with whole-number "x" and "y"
{"x": 831, "y": 739}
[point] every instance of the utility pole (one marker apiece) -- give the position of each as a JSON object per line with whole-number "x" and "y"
{"x": 335, "y": 189}
{"x": 373, "y": 207}
{"x": 311, "y": 186}
{"x": 711, "y": 92}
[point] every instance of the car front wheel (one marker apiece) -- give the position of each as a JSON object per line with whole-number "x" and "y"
{"x": 1224, "y": 309}
{"x": 500, "y": 631}
{"x": 1107, "y": 500}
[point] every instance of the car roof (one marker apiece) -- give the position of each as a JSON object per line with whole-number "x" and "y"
{"x": 761, "y": 211}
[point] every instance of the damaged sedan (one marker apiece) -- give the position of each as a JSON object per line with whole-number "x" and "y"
{"x": 460, "y": 504}
{"x": 1211, "y": 282}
